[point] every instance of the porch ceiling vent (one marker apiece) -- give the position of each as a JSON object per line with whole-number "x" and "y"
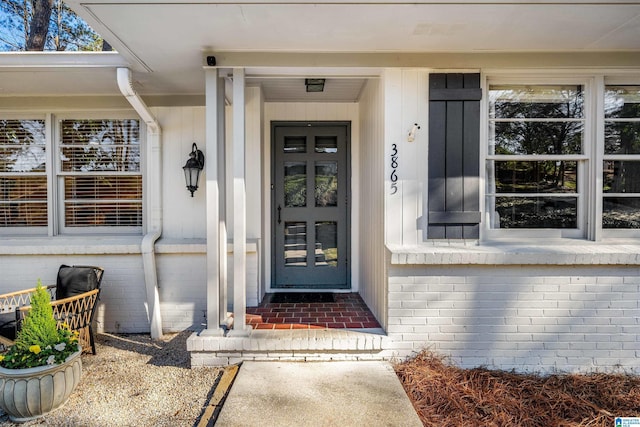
{"x": 314, "y": 85}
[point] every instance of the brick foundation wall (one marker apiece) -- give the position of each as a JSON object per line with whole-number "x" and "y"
{"x": 528, "y": 318}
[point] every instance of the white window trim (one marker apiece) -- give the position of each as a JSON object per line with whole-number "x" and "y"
{"x": 605, "y": 233}
{"x": 583, "y": 160}
{"x": 594, "y": 84}
{"x": 58, "y": 175}
{"x": 55, "y": 187}
{"x": 32, "y": 231}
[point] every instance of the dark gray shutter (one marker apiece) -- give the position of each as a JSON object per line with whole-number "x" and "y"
{"x": 454, "y": 140}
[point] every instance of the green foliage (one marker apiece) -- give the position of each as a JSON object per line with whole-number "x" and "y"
{"x": 39, "y": 341}
{"x": 39, "y": 326}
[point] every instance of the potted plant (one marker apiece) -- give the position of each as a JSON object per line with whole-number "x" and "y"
{"x": 39, "y": 372}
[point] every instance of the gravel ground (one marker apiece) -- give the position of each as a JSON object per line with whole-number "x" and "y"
{"x": 134, "y": 381}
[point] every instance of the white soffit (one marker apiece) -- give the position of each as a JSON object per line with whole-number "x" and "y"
{"x": 164, "y": 35}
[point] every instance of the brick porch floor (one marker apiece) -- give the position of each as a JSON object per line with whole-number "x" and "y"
{"x": 347, "y": 312}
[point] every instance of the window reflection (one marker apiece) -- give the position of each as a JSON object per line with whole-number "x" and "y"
{"x": 621, "y": 212}
{"x": 536, "y": 177}
{"x": 326, "y": 191}
{"x": 295, "y": 184}
{"x": 327, "y": 243}
{"x": 535, "y": 101}
{"x": 538, "y": 137}
{"x": 536, "y": 212}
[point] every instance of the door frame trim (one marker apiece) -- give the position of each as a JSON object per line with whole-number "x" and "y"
{"x": 297, "y": 123}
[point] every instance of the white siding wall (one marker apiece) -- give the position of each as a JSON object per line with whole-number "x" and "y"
{"x": 183, "y": 215}
{"x": 573, "y": 318}
{"x": 373, "y": 289}
{"x": 311, "y": 111}
{"x": 406, "y": 103}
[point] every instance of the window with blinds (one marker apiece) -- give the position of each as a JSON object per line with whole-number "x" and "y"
{"x": 23, "y": 175}
{"x": 100, "y": 173}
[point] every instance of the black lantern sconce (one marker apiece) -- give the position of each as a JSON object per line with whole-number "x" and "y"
{"x": 193, "y": 167}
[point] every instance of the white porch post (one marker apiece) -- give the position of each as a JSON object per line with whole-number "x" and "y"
{"x": 212, "y": 125}
{"x": 222, "y": 191}
{"x": 239, "y": 207}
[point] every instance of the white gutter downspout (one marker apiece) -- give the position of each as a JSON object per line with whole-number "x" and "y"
{"x": 154, "y": 200}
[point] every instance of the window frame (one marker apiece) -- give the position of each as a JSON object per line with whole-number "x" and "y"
{"x": 584, "y": 160}
{"x": 36, "y": 230}
{"x": 55, "y": 175}
{"x": 612, "y": 232}
{"x": 59, "y": 175}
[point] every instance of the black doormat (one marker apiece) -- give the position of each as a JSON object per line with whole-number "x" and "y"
{"x": 301, "y": 297}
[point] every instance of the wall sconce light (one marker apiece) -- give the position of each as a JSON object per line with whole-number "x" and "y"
{"x": 193, "y": 167}
{"x": 314, "y": 85}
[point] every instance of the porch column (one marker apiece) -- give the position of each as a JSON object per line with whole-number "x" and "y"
{"x": 214, "y": 125}
{"x": 239, "y": 207}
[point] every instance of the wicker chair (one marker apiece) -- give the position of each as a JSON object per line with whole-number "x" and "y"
{"x": 79, "y": 287}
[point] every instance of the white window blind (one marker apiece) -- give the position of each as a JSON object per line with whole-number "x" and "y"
{"x": 100, "y": 173}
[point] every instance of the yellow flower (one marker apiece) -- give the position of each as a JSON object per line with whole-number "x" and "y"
{"x": 1, "y": 358}
{"x": 35, "y": 349}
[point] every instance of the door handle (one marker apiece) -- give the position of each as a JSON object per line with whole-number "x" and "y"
{"x": 279, "y": 214}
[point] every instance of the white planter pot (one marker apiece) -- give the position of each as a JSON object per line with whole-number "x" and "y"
{"x": 30, "y": 393}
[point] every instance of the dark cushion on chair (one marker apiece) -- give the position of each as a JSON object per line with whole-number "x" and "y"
{"x": 73, "y": 281}
{"x": 8, "y": 325}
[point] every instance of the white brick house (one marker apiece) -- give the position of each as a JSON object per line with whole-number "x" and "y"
{"x": 486, "y": 205}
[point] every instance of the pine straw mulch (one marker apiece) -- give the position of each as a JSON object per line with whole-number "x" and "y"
{"x": 445, "y": 395}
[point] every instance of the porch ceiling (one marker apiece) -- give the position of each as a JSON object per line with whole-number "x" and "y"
{"x": 164, "y": 41}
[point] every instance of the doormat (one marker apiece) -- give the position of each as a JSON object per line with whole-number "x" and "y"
{"x": 301, "y": 297}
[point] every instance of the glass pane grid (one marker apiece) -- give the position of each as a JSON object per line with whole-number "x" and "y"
{"x": 535, "y": 150}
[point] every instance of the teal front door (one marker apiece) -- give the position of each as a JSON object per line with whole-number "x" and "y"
{"x": 311, "y": 205}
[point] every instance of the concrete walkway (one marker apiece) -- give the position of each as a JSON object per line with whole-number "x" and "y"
{"x": 317, "y": 394}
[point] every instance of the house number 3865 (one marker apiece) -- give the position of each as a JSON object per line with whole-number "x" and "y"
{"x": 394, "y": 169}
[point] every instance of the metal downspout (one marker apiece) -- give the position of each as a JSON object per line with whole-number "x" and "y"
{"x": 154, "y": 200}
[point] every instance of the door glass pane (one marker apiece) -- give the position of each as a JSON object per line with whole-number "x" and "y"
{"x": 327, "y": 243}
{"x": 621, "y": 212}
{"x": 326, "y": 144}
{"x": 326, "y": 190}
{"x": 295, "y": 184}
{"x": 295, "y": 144}
{"x": 295, "y": 244}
